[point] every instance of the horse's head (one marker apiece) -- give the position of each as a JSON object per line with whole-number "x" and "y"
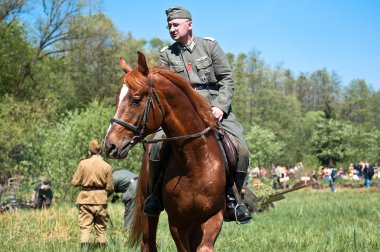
{"x": 138, "y": 110}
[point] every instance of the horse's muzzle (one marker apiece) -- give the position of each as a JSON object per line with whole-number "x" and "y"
{"x": 118, "y": 151}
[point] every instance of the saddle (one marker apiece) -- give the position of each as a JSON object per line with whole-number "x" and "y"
{"x": 230, "y": 148}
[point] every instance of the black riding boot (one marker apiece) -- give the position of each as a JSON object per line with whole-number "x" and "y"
{"x": 153, "y": 204}
{"x": 237, "y": 212}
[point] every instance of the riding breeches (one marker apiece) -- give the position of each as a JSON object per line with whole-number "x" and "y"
{"x": 93, "y": 216}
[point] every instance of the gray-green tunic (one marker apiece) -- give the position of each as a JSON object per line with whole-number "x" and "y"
{"x": 205, "y": 65}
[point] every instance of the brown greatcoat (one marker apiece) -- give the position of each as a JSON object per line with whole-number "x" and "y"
{"x": 93, "y": 172}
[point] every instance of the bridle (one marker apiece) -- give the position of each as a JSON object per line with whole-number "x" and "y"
{"x": 143, "y": 122}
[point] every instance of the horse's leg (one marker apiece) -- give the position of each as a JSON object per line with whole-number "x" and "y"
{"x": 148, "y": 243}
{"x": 180, "y": 235}
{"x": 209, "y": 233}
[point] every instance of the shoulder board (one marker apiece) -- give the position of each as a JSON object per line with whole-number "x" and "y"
{"x": 164, "y": 48}
{"x": 209, "y": 38}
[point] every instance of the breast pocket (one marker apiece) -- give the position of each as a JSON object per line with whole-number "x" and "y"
{"x": 205, "y": 70}
{"x": 177, "y": 68}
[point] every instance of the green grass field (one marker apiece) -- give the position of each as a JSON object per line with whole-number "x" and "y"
{"x": 307, "y": 220}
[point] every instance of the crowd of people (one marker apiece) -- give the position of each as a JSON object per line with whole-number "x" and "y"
{"x": 358, "y": 171}
{"x": 361, "y": 170}
{"x": 355, "y": 171}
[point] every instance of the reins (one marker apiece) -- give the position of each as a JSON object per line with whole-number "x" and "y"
{"x": 177, "y": 137}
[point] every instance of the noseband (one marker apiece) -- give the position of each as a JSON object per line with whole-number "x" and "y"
{"x": 143, "y": 122}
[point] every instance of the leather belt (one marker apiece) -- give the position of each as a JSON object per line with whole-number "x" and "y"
{"x": 92, "y": 188}
{"x": 208, "y": 86}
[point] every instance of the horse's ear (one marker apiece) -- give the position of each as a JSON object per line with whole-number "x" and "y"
{"x": 123, "y": 64}
{"x": 143, "y": 66}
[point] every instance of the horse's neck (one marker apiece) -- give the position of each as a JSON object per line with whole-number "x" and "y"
{"x": 184, "y": 120}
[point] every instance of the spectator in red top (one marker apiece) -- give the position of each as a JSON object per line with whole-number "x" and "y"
{"x": 263, "y": 172}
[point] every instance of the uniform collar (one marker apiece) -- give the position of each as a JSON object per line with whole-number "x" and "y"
{"x": 189, "y": 47}
{"x": 96, "y": 156}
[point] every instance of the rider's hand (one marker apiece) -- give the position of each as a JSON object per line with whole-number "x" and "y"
{"x": 218, "y": 113}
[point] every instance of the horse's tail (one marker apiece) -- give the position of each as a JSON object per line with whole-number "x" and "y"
{"x": 136, "y": 230}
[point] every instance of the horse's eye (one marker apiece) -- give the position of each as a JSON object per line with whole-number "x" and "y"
{"x": 135, "y": 101}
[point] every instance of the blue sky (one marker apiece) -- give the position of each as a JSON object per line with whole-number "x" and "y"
{"x": 301, "y": 35}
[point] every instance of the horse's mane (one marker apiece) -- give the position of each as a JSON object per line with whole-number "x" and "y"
{"x": 136, "y": 80}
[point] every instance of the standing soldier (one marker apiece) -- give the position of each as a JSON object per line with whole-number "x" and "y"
{"x": 94, "y": 175}
{"x": 204, "y": 64}
{"x": 125, "y": 182}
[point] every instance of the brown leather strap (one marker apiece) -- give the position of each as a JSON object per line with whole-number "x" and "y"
{"x": 92, "y": 188}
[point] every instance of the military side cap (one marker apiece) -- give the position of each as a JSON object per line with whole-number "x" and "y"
{"x": 177, "y": 13}
{"x": 94, "y": 146}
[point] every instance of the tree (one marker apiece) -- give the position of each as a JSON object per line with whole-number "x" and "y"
{"x": 327, "y": 91}
{"x": 93, "y": 61}
{"x": 52, "y": 28}
{"x": 356, "y": 102}
{"x": 329, "y": 141}
{"x": 14, "y": 51}
{"x": 19, "y": 122}
{"x": 319, "y": 91}
{"x": 361, "y": 145}
{"x": 303, "y": 92}
{"x": 373, "y": 120}
{"x": 263, "y": 146}
{"x": 309, "y": 124}
{"x": 240, "y": 103}
{"x": 10, "y": 10}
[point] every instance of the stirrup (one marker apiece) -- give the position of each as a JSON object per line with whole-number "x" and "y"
{"x": 241, "y": 222}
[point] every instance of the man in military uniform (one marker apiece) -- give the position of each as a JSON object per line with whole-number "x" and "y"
{"x": 94, "y": 175}
{"x": 125, "y": 182}
{"x": 43, "y": 194}
{"x": 204, "y": 64}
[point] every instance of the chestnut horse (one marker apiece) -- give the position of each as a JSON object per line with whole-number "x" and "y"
{"x": 194, "y": 179}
